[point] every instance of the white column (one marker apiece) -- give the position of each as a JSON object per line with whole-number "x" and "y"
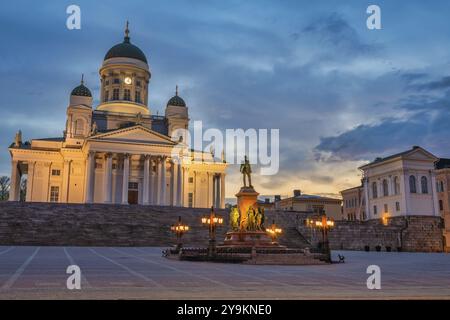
{"x": 179, "y": 184}
{"x": 90, "y": 171}
{"x": 30, "y": 181}
{"x": 163, "y": 182}
{"x": 126, "y": 178}
{"x": 145, "y": 188}
{"x": 435, "y": 197}
{"x": 65, "y": 182}
{"x": 14, "y": 190}
{"x": 367, "y": 199}
{"x": 217, "y": 195}
{"x": 222, "y": 191}
{"x": 406, "y": 193}
{"x": 151, "y": 196}
{"x": 107, "y": 191}
{"x": 185, "y": 187}
{"x": 158, "y": 182}
{"x": 174, "y": 184}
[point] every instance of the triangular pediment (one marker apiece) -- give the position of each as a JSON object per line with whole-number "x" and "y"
{"x": 135, "y": 134}
{"x": 420, "y": 154}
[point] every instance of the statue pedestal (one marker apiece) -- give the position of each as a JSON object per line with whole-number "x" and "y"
{"x": 260, "y": 239}
{"x": 247, "y": 197}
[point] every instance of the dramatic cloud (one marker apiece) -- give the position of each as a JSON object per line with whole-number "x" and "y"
{"x": 339, "y": 93}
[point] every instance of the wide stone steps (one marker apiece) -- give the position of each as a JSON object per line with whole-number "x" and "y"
{"x": 117, "y": 225}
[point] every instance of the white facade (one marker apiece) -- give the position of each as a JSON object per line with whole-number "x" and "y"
{"x": 119, "y": 153}
{"x": 401, "y": 185}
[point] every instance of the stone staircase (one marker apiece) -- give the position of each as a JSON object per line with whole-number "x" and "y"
{"x": 116, "y": 225}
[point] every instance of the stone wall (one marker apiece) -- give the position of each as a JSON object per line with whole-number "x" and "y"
{"x": 113, "y": 225}
{"x": 411, "y": 233}
{"x": 117, "y": 225}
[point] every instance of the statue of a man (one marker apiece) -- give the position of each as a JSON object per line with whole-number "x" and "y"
{"x": 243, "y": 224}
{"x": 94, "y": 128}
{"x": 234, "y": 219}
{"x": 251, "y": 219}
{"x": 246, "y": 171}
{"x": 260, "y": 219}
{"x": 18, "y": 139}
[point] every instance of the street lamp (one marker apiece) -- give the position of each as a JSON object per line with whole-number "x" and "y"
{"x": 179, "y": 229}
{"x": 212, "y": 221}
{"x": 324, "y": 224}
{"x": 274, "y": 231}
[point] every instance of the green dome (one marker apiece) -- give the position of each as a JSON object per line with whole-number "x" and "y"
{"x": 126, "y": 50}
{"x": 176, "y": 101}
{"x": 81, "y": 91}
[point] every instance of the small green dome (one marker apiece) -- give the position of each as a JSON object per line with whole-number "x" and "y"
{"x": 176, "y": 100}
{"x": 81, "y": 91}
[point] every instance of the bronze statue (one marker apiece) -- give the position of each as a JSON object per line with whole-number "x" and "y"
{"x": 18, "y": 139}
{"x": 94, "y": 128}
{"x": 243, "y": 223}
{"x": 260, "y": 219}
{"x": 246, "y": 171}
{"x": 234, "y": 219}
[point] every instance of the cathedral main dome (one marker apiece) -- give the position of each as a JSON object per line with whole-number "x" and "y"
{"x": 126, "y": 50}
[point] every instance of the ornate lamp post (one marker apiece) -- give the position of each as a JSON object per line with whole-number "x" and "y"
{"x": 179, "y": 229}
{"x": 324, "y": 224}
{"x": 274, "y": 231}
{"x": 212, "y": 221}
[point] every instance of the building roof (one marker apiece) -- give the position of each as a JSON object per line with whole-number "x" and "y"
{"x": 442, "y": 163}
{"x": 397, "y": 155}
{"x": 126, "y": 50}
{"x": 353, "y": 188}
{"x": 310, "y": 197}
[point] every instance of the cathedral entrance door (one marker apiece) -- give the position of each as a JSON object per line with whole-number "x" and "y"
{"x": 133, "y": 193}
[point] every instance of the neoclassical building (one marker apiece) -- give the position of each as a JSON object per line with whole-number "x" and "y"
{"x": 403, "y": 184}
{"x": 119, "y": 152}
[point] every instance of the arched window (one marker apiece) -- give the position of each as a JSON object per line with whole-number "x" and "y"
{"x": 442, "y": 186}
{"x": 396, "y": 185}
{"x": 424, "y": 184}
{"x": 385, "y": 188}
{"x": 374, "y": 190}
{"x": 79, "y": 127}
{"x": 412, "y": 184}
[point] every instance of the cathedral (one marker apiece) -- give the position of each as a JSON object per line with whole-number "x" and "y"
{"x": 118, "y": 152}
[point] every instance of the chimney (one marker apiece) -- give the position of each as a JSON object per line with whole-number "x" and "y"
{"x": 297, "y": 193}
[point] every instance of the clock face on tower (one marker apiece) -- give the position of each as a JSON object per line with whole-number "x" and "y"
{"x": 127, "y": 80}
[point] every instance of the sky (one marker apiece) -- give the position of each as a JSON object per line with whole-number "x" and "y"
{"x": 340, "y": 94}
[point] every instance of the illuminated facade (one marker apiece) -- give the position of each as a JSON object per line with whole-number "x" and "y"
{"x": 118, "y": 152}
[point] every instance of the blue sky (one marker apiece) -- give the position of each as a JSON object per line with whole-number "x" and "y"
{"x": 340, "y": 94}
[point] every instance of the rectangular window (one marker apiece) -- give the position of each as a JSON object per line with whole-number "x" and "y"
{"x": 106, "y": 97}
{"x": 191, "y": 180}
{"x": 98, "y": 166}
{"x": 115, "y": 94}
{"x": 138, "y": 96}
{"x": 107, "y": 82}
{"x": 133, "y": 186}
{"x": 126, "y": 95}
{"x": 191, "y": 199}
{"x": 375, "y": 211}
{"x": 54, "y": 194}
{"x": 386, "y": 209}
{"x": 441, "y": 205}
{"x": 138, "y": 83}
{"x": 116, "y": 81}
{"x": 56, "y": 172}
{"x": 397, "y": 206}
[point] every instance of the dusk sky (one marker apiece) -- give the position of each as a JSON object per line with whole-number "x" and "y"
{"x": 340, "y": 94}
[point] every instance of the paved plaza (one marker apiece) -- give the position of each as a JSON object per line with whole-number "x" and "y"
{"x": 141, "y": 273}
